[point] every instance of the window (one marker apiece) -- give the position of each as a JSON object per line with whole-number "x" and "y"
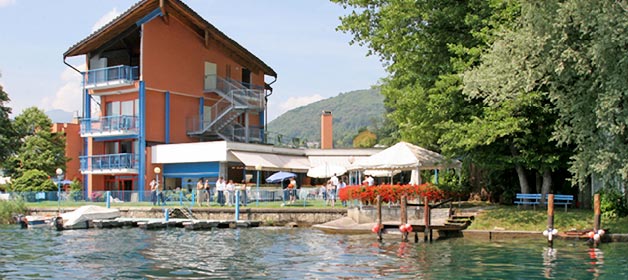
{"x": 126, "y": 108}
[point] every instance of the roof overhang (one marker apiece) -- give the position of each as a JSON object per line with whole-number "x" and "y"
{"x": 272, "y": 162}
{"x": 146, "y": 10}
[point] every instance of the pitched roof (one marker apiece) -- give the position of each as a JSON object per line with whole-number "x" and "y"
{"x": 171, "y": 7}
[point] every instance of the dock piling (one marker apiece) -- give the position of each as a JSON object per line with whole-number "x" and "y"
{"x": 379, "y": 217}
{"x": 597, "y": 213}
{"x": 550, "y": 231}
{"x": 404, "y": 218}
{"x": 426, "y": 216}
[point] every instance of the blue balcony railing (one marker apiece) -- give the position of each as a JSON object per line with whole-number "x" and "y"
{"x": 110, "y": 163}
{"x": 110, "y": 125}
{"x": 110, "y": 76}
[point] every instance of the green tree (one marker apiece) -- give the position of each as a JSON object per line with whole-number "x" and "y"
{"x": 39, "y": 148}
{"x": 589, "y": 88}
{"x": 426, "y": 45}
{"x": 33, "y": 181}
{"x": 7, "y": 133}
{"x": 365, "y": 139}
{"x": 511, "y": 83}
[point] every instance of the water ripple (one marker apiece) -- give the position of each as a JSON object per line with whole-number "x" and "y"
{"x": 282, "y": 253}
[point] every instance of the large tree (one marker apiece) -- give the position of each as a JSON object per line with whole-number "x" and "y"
{"x": 426, "y": 46}
{"x": 590, "y": 88}
{"x": 512, "y": 84}
{"x": 7, "y": 133}
{"x": 39, "y": 148}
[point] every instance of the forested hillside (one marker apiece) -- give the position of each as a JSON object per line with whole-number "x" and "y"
{"x": 351, "y": 111}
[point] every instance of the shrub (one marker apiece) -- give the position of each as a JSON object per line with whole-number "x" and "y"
{"x": 612, "y": 203}
{"x": 391, "y": 193}
{"x": 11, "y": 208}
{"x": 33, "y": 181}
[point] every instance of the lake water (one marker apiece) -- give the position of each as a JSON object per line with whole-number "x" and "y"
{"x": 282, "y": 253}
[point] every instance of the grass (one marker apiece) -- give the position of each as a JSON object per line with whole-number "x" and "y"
{"x": 512, "y": 218}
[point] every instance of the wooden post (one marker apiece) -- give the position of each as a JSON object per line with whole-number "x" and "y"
{"x": 596, "y": 212}
{"x": 550, "y": 220}
{"x": 379, "y": 217}
{"x": 426, "y": 218}
{"x": 404, "y": 217}
{"x": 596, "y": 217}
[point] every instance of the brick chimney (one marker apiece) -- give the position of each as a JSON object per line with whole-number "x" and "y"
{"x": 327, "y": 138}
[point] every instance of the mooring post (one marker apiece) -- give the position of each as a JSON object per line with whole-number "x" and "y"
{"x": 108, "y": 198}
{"x": 596, "y": 218}
{"x": 404, "y": 219}
{"x": 379, "y": 217}
{"x": 166, "y": 214}
{"x": 181, "y": 198}
{"x": 237, "y": 205}
{"x": 426, "y": 218}
{"x": 550, "y": 220}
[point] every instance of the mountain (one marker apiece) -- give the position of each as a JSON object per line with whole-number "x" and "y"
{"x": 351, "y": 111}
{"x": 59, "y": 116}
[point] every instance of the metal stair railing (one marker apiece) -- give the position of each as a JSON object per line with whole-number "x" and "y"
{"x": 236, "y": 97}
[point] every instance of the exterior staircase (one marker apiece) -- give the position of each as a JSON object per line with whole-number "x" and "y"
{"x": 461, "y": 221}
{"x": 181, "y": 213}
{"x": 235, "y": 99}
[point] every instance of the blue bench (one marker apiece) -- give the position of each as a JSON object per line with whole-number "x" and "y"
{"x": 528, "y": 199}
{"x": 562, "y": 199}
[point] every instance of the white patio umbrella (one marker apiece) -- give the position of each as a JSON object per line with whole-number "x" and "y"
{"x": 326, "y": 171}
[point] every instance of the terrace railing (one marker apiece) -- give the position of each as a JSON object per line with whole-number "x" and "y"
{"x": 110, "y": 164}
{"x": 110, "y": 126}
{"x": 110, "y": 76}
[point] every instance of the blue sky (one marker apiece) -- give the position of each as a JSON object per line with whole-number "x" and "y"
{"x": 296, "y": 38}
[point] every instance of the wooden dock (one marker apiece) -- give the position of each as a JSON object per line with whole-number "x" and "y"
{"x": 188, "y": 224}
{"x": 450, "y": 225}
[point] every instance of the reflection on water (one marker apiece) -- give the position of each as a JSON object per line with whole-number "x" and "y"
{"x": 281, "y": 253}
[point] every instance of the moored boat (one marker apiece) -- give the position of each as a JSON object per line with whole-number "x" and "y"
{"x": 80, "y": 218}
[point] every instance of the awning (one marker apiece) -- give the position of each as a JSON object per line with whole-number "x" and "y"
{"x": 273, "y": 162}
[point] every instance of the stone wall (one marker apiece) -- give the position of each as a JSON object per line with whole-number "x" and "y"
{"x": 268, "y": 216}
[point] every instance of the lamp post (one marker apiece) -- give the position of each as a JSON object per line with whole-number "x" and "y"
{"x": 59, "y": 172}
{"x": 258, "y": 168}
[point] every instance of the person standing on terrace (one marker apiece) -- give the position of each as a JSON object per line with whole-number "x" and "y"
{"x": 220, "y": 189}
{"x": 199, "y": 191}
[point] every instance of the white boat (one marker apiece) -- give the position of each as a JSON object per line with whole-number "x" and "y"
{"x": 79, "y": 218}
{"x": 35, "y": 221}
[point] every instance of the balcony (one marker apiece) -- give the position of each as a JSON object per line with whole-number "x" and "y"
{"x": 110, "y": 164}
{"x": 121, "y": 75}
{"x": 110, "y": 126}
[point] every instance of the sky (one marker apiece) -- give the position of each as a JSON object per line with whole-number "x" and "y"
{"x": 296, "y": 38}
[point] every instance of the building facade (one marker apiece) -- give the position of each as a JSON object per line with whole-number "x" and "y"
{"x": 160, "y": 74}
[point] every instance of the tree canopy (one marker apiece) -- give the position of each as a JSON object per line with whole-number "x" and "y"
{"x": 39, "y": 150}
{"x": 524, "y": 85}
{"x": 7, "y": 133}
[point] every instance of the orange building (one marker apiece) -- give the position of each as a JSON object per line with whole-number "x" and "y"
{"x": 161, "y": 74}
{"x": 72, "y": 149}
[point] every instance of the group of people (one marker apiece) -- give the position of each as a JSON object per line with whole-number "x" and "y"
{"x": 222, "y": 191}
{"x": 225, "y": 192}
{"x": 331, "y": 190}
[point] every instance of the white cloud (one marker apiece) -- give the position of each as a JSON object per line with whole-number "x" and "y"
{"x": 68, "y": 96}
{"x": 291, "y": 103}
{"x": 108, "y": 17}
{"x": 5, "y": 3}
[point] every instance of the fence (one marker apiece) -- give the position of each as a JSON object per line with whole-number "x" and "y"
{"x": 263, "y": 197}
